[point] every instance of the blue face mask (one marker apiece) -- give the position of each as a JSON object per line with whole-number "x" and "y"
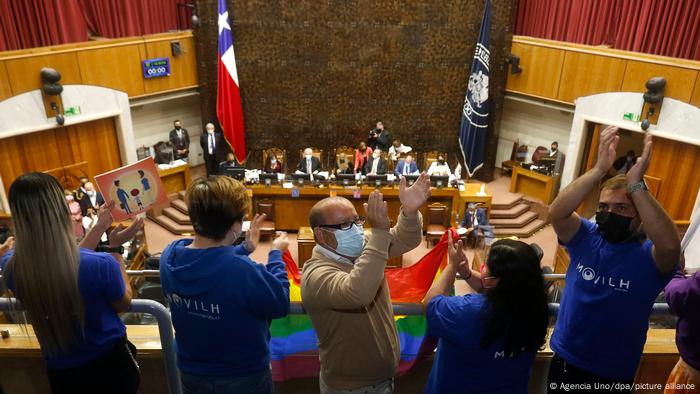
{"x": 350, "y": 241}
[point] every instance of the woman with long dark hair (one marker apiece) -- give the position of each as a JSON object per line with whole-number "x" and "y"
{"x": 71, "y": 294}
{"x": 488, "y": 340}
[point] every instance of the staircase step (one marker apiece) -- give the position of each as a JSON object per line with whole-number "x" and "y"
{"x": 180, "y": 205}
{"x": 519, "y": 222}
{"x": 173, "y": 226}
{"x": 509, "y": 213}
{"x": 522, "y": 232}
{"x": 181, "y": 195}
{"x": 177, "y": 216}
{"x": 506, "y": 200}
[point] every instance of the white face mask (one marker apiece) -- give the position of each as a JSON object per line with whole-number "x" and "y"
{"x": 69, "y": 198}
{"x": 351, "y": 241}
{"x": 375, "y": 155}
{"x": 308, "y": 157}
{"x": 91, "y": 193}
{"x": 273, "y": 160}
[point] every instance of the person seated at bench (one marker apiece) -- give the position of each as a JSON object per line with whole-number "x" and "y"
{"x": 230, "y": 162}
{"x": 71, "y": 294}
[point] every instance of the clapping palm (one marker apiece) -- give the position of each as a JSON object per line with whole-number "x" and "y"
{"x": 414, "y": 197}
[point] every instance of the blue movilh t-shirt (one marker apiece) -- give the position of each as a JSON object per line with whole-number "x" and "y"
{"x": 461, "y": 364}
{"x": 604, "y": 313}
{"x": 222, "y": 303}
{"x": 101, "y": 283}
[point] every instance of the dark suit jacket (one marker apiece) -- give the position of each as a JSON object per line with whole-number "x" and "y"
{"x": 315, "y": 165}
{"x": 220, "y": 147}
{"x": 381, "y": 167}
{"x": 225, "y": 164}
{"x": 85, "y": 202}
{"x": 384, "y": 141}
{"x": 398, "y": 171}
{"x": 480, "y": 217}
{"x": 180, "y": 144}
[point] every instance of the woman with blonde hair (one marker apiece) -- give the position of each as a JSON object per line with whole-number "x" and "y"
{"x": 71, "y": 294}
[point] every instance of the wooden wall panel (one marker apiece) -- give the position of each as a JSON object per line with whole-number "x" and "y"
{"x": 27, "y": 153}
{"x": 90, "y": 146}
{"x": 94, "y": 143}
{"x": 585, "y": 74}
{"x": 676, "y": 164}
{"x": 183, "y": 69}
{"x": 24, "y": 72}
{"x": 542, "y": 69}
{"x": 116, "y": 67}
{"x": 695, "y": 98}
{"x": 679, "y": 81}
{"x": 5, "y": 89}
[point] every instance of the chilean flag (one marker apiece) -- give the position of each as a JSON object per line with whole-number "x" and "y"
{"x": 228, "y": 97}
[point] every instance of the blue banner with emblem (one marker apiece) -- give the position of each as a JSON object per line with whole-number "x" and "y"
{"x": 475, "y": 113}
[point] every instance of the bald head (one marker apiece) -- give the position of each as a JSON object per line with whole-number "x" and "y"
{"x": 308, "y": 151}
{"x": 332, "y": 210}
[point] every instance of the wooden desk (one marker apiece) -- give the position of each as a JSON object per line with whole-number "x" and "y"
{"x": 306, "y": 244}
{"x": 534, "y": 184}
{"x": 175, "y": 179}
{"x": 293, "y": 212}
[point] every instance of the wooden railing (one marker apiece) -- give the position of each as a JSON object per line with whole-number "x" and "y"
{"x": 561, "y": 71}
{"x": 114, "y": 63}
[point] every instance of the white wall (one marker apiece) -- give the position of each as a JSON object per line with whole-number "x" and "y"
{"x": 532, "y": 124}
{"x": 153, "y": 121}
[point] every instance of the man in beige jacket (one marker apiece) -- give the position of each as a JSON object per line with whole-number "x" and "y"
{"x": 345, "y": 293}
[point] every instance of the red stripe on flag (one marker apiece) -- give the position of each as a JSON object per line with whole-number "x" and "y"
{"x": 230, "y": 112}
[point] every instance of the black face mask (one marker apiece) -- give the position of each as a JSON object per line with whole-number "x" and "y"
{"x": 613, "y": 227}
{"x": 177, "y": 127}
{"x": 441, "y": 162}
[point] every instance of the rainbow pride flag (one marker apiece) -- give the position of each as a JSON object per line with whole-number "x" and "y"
{"x": 294, "y": 345}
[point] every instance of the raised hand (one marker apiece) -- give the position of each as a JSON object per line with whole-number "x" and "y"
{"x": 281, "y": 243}
{"x": 636, "y": 173}
{"x": 104, "y": 216}
{"x": 252, "y": 237}
{"x": 414, "y": 197}
{"x": 7, "y": 245}
{"x": 456, "y": 256}
{"x": 120, "y": 234}
{"x": 376, "y": 211}
{"x": 607, "y": 148}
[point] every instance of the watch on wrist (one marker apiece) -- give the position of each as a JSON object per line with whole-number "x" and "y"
{"x": 107, "y": 249}
{"x": 636, "y": 187}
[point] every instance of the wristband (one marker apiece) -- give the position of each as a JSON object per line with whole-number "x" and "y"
{"x": 107, "y": 249}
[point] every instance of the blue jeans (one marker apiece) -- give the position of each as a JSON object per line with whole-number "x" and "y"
{"x": 259, "y": 383}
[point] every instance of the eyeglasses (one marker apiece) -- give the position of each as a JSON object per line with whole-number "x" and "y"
{"x": 360, "y": 220}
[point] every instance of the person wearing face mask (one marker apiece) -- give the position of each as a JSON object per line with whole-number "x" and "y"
{"x": 309, "y": 164}
{"x": 76, "y": 215}
{"x": 181, "y": 141}
{"x": 213, "y": 148}
{"x": 343, "y": 166}
{"x": 616, "y": 272}
{"x": 222, "y": 301}
{"x": 91, "y": 199}
{"x": 500, "y": 327}
{"x": 376, "y": 165}
{"x": 439, "y": 167}
{"x": 345, "y": 293}
{"x": 362, "y": 155}
{"x": 476, "y": 223}
{"x": 272, "y": 165}
{"x": 79, "y": 193}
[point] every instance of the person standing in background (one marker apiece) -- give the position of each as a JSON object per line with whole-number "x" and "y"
{"x": 380, "y": 138}
{"x": 211, "y": 142}
{"x": 362, "y": 155}
{"x": 180, "y": 140}
{"x": 91, "y": 199}
{"x": 76, "y": 215}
